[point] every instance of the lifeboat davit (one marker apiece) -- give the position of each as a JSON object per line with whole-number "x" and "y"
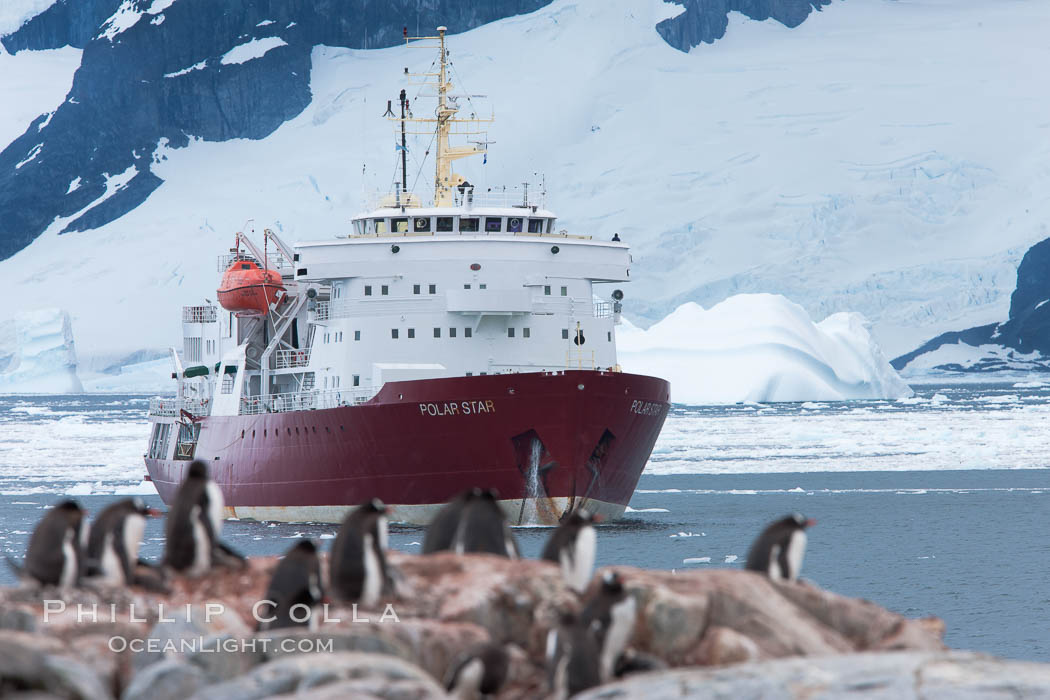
{"x": 248, "y": 290}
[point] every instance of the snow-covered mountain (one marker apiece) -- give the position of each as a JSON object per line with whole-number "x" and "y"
{"x": 882, "y": 157}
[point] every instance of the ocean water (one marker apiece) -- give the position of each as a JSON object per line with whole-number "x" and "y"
{"x": 936, "y": 505}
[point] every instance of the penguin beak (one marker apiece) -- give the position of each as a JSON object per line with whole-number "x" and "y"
{"x": 597, "y": 518}
{"x": 810, "y": 522}
{"x": 152, "y": 513}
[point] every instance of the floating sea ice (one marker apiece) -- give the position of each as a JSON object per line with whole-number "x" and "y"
{"x": 272, "y": 525}
{"x": 797, "y": 489}
{"x": 697, "y": 560}
{"x": 326, "y": 536}
{"x": 730, "y": 558}
{"x": 938, "y": 399}
{"x": 646, "y": 510}
{"x": 689, "y": 534}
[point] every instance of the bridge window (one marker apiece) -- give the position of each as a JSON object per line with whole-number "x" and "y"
{"x": 368, "y": 290}
{"x": 468, "y": 332}
{"x": 564, "y": 333}
{"x": 437, "y": 332}
{"x": 399, "y": 225}
{"x": 384, "y": 290}
{"x": 608, "y": 336}
{"x": 466, "y": 286}
{"x": 433, "y": 289}
{"x": 514, "y": 224}
{"x": 547, "y": 289}
{"x": 535, "y": 225}
{"x": 468, "y": 225}
{"x": 411, "y": 332}
{"x": 564, "y": 291}
{"x": 393, "y": 333}
{"x": 357, "y": 335}
{"x": 357, "y": 380}
{"x": 452, "y": 332}
{"x": 510, "y": 332}
{"x": 380, "y": 225}
{"x": 550, "y": 225}
{"x": 415, "y": 289}
{"x": 493, "y": 224}
{"x": 483, "y": 286}
{"x": 421, "y": 224}
{"x": 526, "y": 332}
{"x": 444, "y": 224}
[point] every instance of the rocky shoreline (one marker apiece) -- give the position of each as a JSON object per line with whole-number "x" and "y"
{"x": 199, "y": 641}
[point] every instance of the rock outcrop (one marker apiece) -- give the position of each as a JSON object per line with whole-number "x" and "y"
{"x": 1021, "y": 342}
{"x": 199, "y": 641}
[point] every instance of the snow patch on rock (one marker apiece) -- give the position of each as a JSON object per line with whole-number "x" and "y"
{"x": 256, "y": 48}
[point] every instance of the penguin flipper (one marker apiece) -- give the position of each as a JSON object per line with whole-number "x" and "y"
{"x": 226, "y": 556}
{"x": 151, "y": 578}
{"x": 15, "y": 567}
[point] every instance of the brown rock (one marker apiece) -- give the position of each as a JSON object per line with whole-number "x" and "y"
{"x": 722, "y": 646}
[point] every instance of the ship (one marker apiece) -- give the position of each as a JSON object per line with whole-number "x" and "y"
{"x": 432, "y": 347}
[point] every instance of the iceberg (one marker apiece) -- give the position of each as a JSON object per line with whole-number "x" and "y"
{"x": 37, "y": 354}
{"x": 760, "y": 347}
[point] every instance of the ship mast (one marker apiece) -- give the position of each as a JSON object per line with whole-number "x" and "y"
{"x": 445, "y": 121}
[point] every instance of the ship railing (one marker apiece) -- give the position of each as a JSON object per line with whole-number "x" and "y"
{"x": 276, "y": 261}
{"x": 304, "y": 401}
{"x": 369, "y": 306}
{"x": 173, "y": 406}
{"x": 580, "y": 359}
{"x": 603, "y": 309}
{"x": 323, "y": 310}
{"x": 286, "y": 359}
{"x": 199, "y": 314}
{"x": 506, "y": 197}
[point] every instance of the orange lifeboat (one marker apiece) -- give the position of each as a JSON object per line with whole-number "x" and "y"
{"x": 249, "y": 290}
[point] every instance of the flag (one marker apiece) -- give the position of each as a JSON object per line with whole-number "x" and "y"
{"x": 485, "y": 159}
{"x": 399, "y": 147}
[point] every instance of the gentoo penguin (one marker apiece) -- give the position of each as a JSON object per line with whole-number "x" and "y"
{"x": 358, "y": 570}
{"x": 480, "y": 672}
{"x": 482, "y": 527}
{"x": 573, "y": 547}
{"x": 55, "y": 553}
{"x": 442, "y": 528}
{"x": 573, "y": 657}
{"x": 296, "y": 583}
{"x": 780, "y": 548}
{"x": 610, "y": 612}
{"x": 112, "y": 554}
{"x": 194, "y": 523}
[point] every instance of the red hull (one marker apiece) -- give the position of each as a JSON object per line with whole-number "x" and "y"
{"x": 547, "y": 442}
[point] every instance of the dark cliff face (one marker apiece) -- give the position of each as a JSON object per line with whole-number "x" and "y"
{"x": 706, "y": 20}
{"x": 124, "y": 101}
{"x": 1026, "y": 330}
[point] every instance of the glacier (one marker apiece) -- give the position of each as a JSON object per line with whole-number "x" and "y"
{"x": 37, "y": 354}
{"x": 847, "y": 163}
{"x": 760, "y": 348}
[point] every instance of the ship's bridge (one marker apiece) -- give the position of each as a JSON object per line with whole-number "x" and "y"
{"x": 490, "y": 213}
